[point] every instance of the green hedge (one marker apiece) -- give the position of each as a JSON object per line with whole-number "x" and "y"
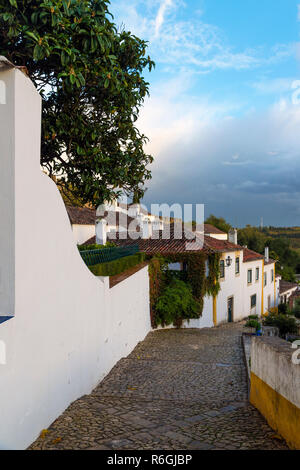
{"x": 117, "y": 266}
{"x": 94, "y": 246}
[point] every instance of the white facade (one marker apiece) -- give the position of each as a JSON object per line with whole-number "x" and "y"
{"x": 218, "y": 236}
{"x": 68, "y": 328}
{"x": 82, "y": 233}
{"x": 233, "y": 302}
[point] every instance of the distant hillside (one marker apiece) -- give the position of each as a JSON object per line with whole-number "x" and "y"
{"x": 290, "y": 233}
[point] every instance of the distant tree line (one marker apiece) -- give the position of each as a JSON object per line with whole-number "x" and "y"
{"x": 288, "y": 259}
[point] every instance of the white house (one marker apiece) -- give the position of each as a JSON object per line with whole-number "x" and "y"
{"x": 83, "y": 221}
{"x": 247, "y": 279}
{"x": 286, "y": 290}
{"x": 214, "y": 232}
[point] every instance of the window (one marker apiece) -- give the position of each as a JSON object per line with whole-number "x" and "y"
{"x": 206, "y": 268}
{"x": 257, "y": 274}
{"x": 265, "y": 279}
{"x": 237, "y": 265}
{"x": 272, "y": 275}
{"x": 253, "y": 301}
{"x": 249, "y": 277}
{"x": 222, "y": 269}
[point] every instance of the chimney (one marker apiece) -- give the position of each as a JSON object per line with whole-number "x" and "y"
{"x": 267, "y": 258}
{"x": 101, "y": 235}
{"x": 232, "y": 236}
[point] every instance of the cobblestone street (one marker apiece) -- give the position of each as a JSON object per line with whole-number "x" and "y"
{"x": 179, "y": 389}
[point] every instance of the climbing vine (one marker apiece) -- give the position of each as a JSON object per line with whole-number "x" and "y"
{"x": 212, "y": 281}
{"x": 156, "y": 284}
{"x": 195, "y": 275}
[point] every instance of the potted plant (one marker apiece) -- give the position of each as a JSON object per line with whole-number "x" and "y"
{"x": 253, "y": 326}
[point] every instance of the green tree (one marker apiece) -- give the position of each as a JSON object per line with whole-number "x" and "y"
{"x": 90, "y": 76}
{"x": 218, "y": 222}
{"x": 253, "y": 238}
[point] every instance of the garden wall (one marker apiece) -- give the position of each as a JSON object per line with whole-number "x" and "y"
{"x": 275, "y": 386}
{"x": 67, "y": 327}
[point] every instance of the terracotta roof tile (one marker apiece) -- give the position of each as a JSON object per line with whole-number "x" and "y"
{"x": 81, "y": 215}
{"x": 285, "y": 286}
{"x": 162, "y": 241}
{"x": 250, "y": 255}
{"x": 221, "y": 246}
{"x": 119, "y": 219}
{"x": 208, "y": 228}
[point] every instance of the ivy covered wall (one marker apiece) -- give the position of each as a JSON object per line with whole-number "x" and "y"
{"x": 195, "y": 275}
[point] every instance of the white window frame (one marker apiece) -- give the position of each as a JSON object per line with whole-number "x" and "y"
{"x": 249, "y": 272}
{"x": 237, "y": 263}
{"x": 253, "y": 306}
{"x": 222, "y": 262}
{"x": 257, "y": 274}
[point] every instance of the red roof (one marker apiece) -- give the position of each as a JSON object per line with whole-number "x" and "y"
{"x": 250, "y": 255}
{"x": 221, "y": 246}
{"x": 163, "y": 241}
{"x": 208, "y": 228}
{"x": 285, "y": 286}
{"x": 170, "y": 240}
{"x": 118, "y": 219}
{"x": 81, "y": 215}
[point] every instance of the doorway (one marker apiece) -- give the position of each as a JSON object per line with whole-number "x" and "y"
{"x": 230, "y": 309}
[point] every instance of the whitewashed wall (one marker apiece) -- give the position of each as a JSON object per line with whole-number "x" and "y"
{"x": 231, "y": 286}
{"x": 206, "y": 319}
{"x": 82, "y": 233}
{"x": 251, "y": 289}
{"x": 68, "y": 328}
{"x": 218, "y": 236}
{"x": 269, "y": 289}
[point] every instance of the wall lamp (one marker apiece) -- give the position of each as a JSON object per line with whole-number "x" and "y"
{"x": 228, "y": 261}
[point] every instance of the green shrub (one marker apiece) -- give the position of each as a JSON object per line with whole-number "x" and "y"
{"x": 253, "y": 323}
{"x": 283, "y": 309}
{"x": 285, "y": 323}
{"x": 117, "y": 266}
{"x": 94, "y": 246}
{"x": 253, "y": 317}
{"x": 296, "y": 309}
{"x": 176, "y": 304}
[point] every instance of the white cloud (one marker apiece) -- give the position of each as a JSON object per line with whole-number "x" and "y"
{"x": 228, "y": 164}
{"x": 192, "y": 43}
{"x": 235, "y": 163}
{"x": 165, "y": 4}
{"x": 273, "y": 86}
{"x": 245, "y": 164}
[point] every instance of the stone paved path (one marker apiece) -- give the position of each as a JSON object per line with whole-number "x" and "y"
{"x": 179, "y": 389}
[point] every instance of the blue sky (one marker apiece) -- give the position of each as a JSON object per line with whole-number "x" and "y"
{"x": 223, "y": 117}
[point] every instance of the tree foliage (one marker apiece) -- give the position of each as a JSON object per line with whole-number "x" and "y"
{"x": 218, "y": 222}
{"x": 176, "y": 304}
{"x": 286, "y": 323}
{"x": 288, "y": 260}
{"x": 252, "y": 238}
{"x": 90, "y": 77}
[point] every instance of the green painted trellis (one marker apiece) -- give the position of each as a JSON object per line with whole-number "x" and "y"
{"x": 93, "y": 257}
